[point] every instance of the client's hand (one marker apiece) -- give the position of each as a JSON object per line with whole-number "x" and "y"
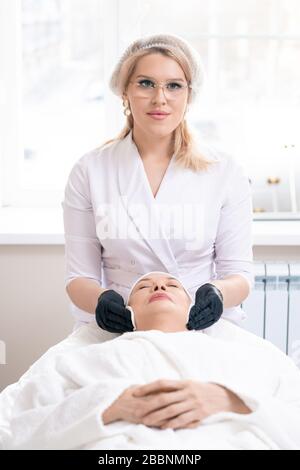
{"x": 111, "y": 313}
{"x": 173, "y": 404}
{"x": 208, "y": 307}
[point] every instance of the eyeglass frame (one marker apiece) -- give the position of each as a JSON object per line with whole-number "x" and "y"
{"x": 158, "y": 84}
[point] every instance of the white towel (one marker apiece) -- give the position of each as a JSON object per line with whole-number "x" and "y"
{"x": 59, "y": 401}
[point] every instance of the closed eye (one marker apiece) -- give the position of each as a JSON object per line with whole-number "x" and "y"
{"x": 170, "y": 285}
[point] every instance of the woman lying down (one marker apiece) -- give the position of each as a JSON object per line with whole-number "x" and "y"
{"x": 160, "y": 386}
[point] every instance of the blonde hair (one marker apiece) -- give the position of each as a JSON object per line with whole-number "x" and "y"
{"x": 185, "y": 148}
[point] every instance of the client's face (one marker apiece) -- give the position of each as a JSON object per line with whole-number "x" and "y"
{"x": 160, "y": 302}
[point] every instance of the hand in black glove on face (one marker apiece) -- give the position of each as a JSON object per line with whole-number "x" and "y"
{"x": 111, "y": 313}
{"x": 207, "y": 309}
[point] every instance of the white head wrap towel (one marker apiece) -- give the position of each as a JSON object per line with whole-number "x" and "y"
{"x": 148, "y": 274}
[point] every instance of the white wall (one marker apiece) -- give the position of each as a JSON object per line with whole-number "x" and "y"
{"x": 33, "y": 305}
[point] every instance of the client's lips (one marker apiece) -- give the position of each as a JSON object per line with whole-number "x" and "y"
{"x": 163, "y": 113}
{"x": 159, "y": 296}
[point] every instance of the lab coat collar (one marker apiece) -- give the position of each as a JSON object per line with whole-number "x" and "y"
{"x": 135, "y": 191}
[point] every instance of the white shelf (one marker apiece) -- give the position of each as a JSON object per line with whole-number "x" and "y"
{"x": 44, "y": 226}
{"x": 31, "y": 226}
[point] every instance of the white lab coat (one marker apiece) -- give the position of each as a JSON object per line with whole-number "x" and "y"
{"x": 108, "y": 189}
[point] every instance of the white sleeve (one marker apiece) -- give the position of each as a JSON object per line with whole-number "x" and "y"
{"x": 233, "y": 245}
{"x": 82, "y": 246}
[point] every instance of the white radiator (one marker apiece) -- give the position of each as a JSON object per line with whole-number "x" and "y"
{"x": 273, "y": 306}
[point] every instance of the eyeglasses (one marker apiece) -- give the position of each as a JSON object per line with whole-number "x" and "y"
{"x": 145, "y": 88}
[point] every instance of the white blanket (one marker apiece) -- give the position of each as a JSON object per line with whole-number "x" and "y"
{"x": 58, "y": 402}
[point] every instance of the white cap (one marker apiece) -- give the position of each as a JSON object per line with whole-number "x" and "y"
{"x": 147, "y": 274}
{"x": 165, "y": 41}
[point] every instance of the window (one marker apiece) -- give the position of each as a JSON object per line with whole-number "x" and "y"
{"x": 58, "y": 92}
{"x": 251, "y": 104}
{"x": 57, "y": 55}
{"x": 62, "y": 86}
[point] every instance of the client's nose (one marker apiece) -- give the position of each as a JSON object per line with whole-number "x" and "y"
{"x": 162, "y": 287}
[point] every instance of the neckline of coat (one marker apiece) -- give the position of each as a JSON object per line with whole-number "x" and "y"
{"x": 134, "y": 193}
{"x": 143, "y": 171}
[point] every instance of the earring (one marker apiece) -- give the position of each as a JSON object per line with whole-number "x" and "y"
{"x": 126, "y": 111}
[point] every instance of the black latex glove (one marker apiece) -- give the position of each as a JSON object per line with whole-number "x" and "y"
{"x": 111, "y": 313}
{"x": 207, "y": 309}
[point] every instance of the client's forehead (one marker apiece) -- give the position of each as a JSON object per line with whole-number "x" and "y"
{"x": 155, "y": 277}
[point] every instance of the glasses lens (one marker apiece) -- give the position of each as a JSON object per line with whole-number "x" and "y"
{"x": 146, "y": 88}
